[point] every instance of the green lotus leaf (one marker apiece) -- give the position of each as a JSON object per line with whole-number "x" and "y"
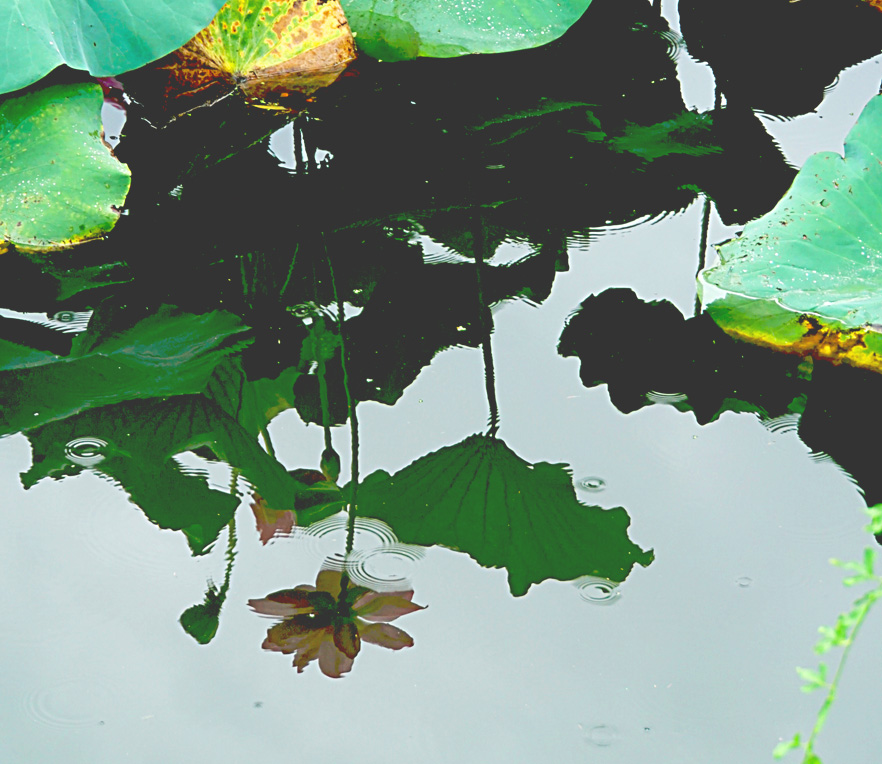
{"x": 60, "y": 183}
{"x": 105, "y": 37}
{"x": 168, "y": 353}
{"x": 252, "y": 403}
{"x": 134, "y": 443}
{"x": 807, "y": 277}
{"x": 480, "y": 497}
{"x": 395, "y": 30}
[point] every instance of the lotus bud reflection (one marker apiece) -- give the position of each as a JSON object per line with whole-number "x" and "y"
{"x": 327, "y": 624}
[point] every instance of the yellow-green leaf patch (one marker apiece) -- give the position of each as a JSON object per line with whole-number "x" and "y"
{"x": 265, "y": 48}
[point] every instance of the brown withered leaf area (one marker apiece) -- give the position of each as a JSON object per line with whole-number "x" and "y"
{"x": 272, "y": 51}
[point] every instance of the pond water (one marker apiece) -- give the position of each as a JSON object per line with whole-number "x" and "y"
{"x": 210, "y": 353}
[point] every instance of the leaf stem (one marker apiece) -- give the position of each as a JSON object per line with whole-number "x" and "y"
{"x": 485, "y": 319}
{"x": 353, "y": 418}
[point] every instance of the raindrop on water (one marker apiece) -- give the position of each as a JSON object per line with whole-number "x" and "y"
{"x": 603, "y": 735}
{"x": 594, "y": 484}
{"x": 598, "y": 591}
{"x": 85, "y": 451}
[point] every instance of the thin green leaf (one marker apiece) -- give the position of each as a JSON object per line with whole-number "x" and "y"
{"x": 782, "y": 749}
{"x": 814, "y": 679}
{"x": 875, "y": 513}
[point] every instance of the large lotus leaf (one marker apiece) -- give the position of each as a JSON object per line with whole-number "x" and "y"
{"x": 132, "y": 443}
{"x": 481, "y": 498}
{"x": 807, "y": 277}
{"x": 167, "y": 353}
{"x": 103, "y": 36}
{"x": 394, "y": 30}
{"x": 60, "y": 183}
{"x": 264, "y": 48}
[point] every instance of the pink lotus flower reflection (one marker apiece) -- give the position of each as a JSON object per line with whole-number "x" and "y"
{"x": 319, "y": 624}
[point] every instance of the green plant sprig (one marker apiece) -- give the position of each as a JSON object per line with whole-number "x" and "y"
{"x": 841, "y": 634}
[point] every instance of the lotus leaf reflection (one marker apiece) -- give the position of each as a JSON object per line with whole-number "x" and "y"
{"x": 321, "y": 623}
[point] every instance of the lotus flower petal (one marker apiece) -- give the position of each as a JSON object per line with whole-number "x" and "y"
{"x": 291, "y": 635}
{"x": 283, "y": 604}
{"x": 386, "y": 635}
{"x": 329, "y": 581}
{"x": 385, "y": 607}
{"x": 311, "y": 651}
{"x": 347, "y": 640}
{"x": 332, "y": 661}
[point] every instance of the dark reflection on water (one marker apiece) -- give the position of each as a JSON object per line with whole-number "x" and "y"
{"x": 237, "y": 294}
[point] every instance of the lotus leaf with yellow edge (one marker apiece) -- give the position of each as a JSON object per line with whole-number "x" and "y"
{"x": 806, "y": 278}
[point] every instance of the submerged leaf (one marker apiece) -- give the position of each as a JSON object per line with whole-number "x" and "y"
{"x": 265, "y": 48}
{"x": 687, "y": 134}
{"x": 806, "y": 277}
{"x": 481, "y": 498}
{"x": 60, "y": 183}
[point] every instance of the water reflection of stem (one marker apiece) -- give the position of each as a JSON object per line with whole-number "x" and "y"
{"x": 353, "y": 425}
{"x": 290, "y": 271}
{"x": 230, "y": 556}
{"x": 486, "y": 323}
{"x": 323, "y": 397}
{"x": 246, "y": 288}
{"x": 231, "y": 540}
{"x": 298, "y": 144}
{"x": 702, "y": 246}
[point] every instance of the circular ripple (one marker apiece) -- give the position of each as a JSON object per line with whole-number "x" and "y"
{"x": 669, "y": 399}
{"x": 593, "y": 484}
{"x": 86, "y": 452}
{"x": 384, "y": 568}
{"x": 598, "y": 591}
{"x": 782, "y": 425}
{"x": 327, "y": 538}
{"x": 70, "y": 321}
{"x": 305, "y": 310}
{"x": 819, "y": 457}
{"x": 72, "y": 703}
{"x": 116, "y": 536}
{"x": 673, "y": 42}
{"x": 602, "y": 735}
{"x": 612, "y": 227}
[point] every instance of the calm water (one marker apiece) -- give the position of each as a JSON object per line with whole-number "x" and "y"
{"x": 690, "y": 658}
